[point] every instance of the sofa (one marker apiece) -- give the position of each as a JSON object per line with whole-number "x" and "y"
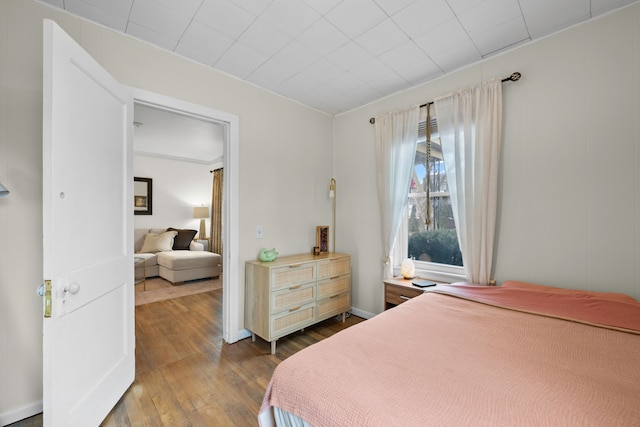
{"x": 173, "y": 255}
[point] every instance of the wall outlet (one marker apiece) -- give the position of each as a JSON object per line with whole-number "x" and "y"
{"x": 258, "y": 232}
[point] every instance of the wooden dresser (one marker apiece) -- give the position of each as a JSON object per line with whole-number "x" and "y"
{"x": 293, "y": 292}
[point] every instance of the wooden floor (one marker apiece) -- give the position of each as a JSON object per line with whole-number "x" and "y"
{"x": 187, "y": 376}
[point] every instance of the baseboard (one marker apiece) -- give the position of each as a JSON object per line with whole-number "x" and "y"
{"x": 361, "y": 313}
{"x": 11, "y": 417}
{"x": 243, "y": 333}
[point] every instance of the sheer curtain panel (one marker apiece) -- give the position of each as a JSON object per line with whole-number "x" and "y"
{"x": 396, "y": 139}
{"x": 470, "y": 125}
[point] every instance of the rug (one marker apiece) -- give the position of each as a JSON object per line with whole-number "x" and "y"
{"x": 159, "y": 289}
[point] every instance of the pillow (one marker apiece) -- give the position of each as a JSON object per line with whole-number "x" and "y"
{"x": 183, "y": 239}
{"x": 162, "y": 242}
{"x": 612, "y": 296}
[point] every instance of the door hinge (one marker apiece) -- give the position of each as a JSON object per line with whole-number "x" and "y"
{"x": 47, "y": 299}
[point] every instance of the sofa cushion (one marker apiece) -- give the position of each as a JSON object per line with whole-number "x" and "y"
{"x": 183, "y": 260}
{"x": 183, "y": 238}
{"x": 138, "y": 238}
{"x": 158, "y": 242}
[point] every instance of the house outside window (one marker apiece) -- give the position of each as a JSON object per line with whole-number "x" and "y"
{"x": 434, "y": 243}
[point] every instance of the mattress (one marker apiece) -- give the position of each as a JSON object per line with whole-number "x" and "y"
{"x": 518, "y": 354}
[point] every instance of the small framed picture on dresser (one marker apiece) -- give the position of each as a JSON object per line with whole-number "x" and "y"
{"x": 322, "y": 238}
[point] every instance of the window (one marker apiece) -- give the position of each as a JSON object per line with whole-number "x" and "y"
{"x": 434, "y": 241}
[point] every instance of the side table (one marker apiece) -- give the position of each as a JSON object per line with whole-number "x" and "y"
{"x": 140, "y": 269}
{"x": 399, "y": 290}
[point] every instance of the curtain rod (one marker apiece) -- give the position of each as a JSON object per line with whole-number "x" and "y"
{"x": 512, "y": 78}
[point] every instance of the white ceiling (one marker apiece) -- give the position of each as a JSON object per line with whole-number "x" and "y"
{"x": 336, "y": 55}
{"x": 176, "y": 136}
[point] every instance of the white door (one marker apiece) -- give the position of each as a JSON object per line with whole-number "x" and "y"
{"x": 88, "y": 342}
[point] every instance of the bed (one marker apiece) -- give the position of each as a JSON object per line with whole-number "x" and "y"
{"x": 464, "y": 355}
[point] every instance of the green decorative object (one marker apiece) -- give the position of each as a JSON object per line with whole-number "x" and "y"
{"x": 267, "y": 255}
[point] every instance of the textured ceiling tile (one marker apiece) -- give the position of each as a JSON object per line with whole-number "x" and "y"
{"x": 381, "y": 38}
{"x": 159, "y": 19}
{"x": 270, "y": 74}
{"x": 322, "y": 37}
{"x": 354, "y": 17}
{"x": 392, "y": 7}
{"x": 489, "y": 14}
{"x": 566, "y": 13}
{"x": 322, "y": 6}
{"x": 152, "y": 37}
{"x": 114, "y": 15}
{"x": 457, "y": 56}
{"x": 241, "y": 60}
{"x": 291, "y": 17}
{"x": 372, "y": 70}
{"x": 203, "y": 44}
{"x": 264, "y": 38}
{"x": 421, "y": 16}
{"x": 255, "y": 7}
{"x": 225, "y": 17}
{"x": 322, "y": 71}
{"x": 404, "y": 55}
{"x": 296, "y": 86}
{"x": 442, "y": 37}
{"x": 296, "y": 56}
{"x": 500, "y": 37}
{"x": 349, "y": 56}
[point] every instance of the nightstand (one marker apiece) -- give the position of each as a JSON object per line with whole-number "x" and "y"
{"x": 399, "y": 290}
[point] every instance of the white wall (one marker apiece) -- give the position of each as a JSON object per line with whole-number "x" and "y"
{"x": 285, "y": 167}
{"x": 178, "y": 187}
{"x": 569, "y": 208}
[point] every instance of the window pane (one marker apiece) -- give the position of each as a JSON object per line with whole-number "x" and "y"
{"x": 436, "y": 241}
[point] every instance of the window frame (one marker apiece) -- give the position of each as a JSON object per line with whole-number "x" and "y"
{"x": 400, "y": 251}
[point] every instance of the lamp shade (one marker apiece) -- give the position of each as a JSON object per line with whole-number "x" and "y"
{"x": 408, "y": 269}
{"x": 201, "y": 212}
{"x": 3, "y": 191}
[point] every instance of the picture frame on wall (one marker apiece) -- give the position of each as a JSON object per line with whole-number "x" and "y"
{"x": 142, "y": 196}
{"x": 322, "y": 238}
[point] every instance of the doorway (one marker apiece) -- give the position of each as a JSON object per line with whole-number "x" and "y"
{"x": 229, "y": 124}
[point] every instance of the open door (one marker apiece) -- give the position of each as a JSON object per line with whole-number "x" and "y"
{"x": 88, "y": 329}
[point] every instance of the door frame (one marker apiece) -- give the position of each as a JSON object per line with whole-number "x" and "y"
{"x": 230, "y": 210}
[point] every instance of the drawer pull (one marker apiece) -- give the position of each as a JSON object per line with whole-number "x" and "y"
{"x": 294, "y": 266}
{"x": 334, "y": 296}
{"x": 295, "y": 308}
{"x": 294, "y": 287}
{"x": 334, "y": 277}
{"x": 404, "y": 298}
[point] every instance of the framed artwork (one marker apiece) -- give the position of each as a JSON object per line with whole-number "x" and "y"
{"x": 322, "y": 238}
{"x": 142, "y": 196}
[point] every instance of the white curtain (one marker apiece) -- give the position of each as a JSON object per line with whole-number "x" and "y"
{"x": 396, "y": 139}
{"x": 470, "y": 125}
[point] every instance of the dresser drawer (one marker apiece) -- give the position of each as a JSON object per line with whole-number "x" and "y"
{"x": 294, "y": 274}
{"x": 334, "y": 286}
{"x": 399, "y": 294}
{"x": 293, "y": 319}
{"x": 333, "y": 268}
{"x": 296, "y": 295}
{"x": 333, "y": 305}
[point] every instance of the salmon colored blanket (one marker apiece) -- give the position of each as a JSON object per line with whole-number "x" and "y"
{"x": 440, "y": 360}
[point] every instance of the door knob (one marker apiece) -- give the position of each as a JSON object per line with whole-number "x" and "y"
{"x": 73, "y": 288}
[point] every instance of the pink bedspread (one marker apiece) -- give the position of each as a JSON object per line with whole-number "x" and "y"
{"x": 448, "y": 361}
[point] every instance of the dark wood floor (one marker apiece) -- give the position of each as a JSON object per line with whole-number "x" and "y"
{"x": 187, "y": 376}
